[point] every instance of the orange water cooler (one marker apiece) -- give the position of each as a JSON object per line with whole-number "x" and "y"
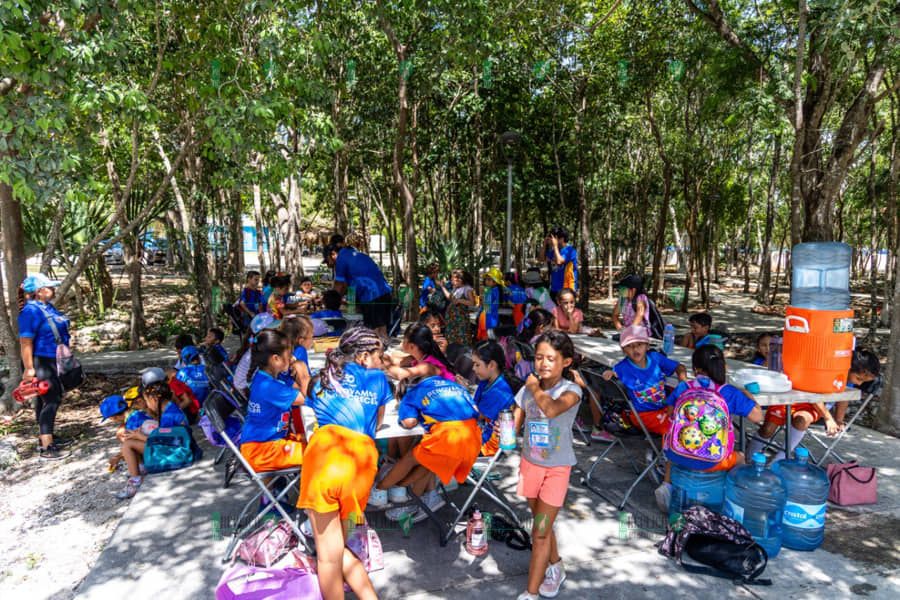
{"x": 818, "y": 348}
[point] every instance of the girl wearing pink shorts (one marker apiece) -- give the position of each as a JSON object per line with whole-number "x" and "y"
{"x": 547, "y": 405}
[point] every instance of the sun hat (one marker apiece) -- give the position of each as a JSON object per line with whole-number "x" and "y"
{"x": 33, "y": 283}
{"x": 495, "y": 275}
{"x": 152, "y": 375}
{"x": 634, "y": 334}
{"x": 112, "y": 406}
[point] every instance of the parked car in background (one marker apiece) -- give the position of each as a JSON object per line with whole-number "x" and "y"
{"x": 114, "y": 255}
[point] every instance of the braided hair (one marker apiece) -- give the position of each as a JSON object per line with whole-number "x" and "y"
{"x": 354, "y": 342}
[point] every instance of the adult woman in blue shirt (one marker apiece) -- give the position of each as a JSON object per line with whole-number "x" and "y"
{"x": 38, "y": 348}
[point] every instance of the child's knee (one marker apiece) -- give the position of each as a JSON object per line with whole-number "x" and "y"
{"x": 767, "y": 430}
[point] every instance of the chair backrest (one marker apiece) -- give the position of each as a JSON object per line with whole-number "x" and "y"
{"x": 218, "y": 407}
{"x": 611, "y": 389}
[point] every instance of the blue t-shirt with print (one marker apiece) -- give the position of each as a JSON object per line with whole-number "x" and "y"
{"x": 359, "y": 270}
{"x": 739, "y": 404}
{"x": 33, "y": 324}
{"x": 647, "y": 386}
{"x": 301, "y": 354}
{"x": 558, "y": 272}
{"x": 135, "y": 420}
{"x": 428, "y": 286}
{"x": 268, "y": 409}
{"x": 515, "y": 294}
{"x": 355, "y": 402}
{"x": 436, "y": 400}
{"x": 253, "y": 299}
{"x": 491, "y": 399}
{"x": 195, "y": 377}
{"x": 172, "y": 416}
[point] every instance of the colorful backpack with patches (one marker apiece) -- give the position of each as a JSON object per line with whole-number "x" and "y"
{"x": 701, "y": 434}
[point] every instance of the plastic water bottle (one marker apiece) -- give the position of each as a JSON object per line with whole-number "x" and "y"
{"x": 690, "y": 487}
{"x": 821, "y": 276}
{"x": 755, "y": 497}
{"x": 668, "y": 339}
{"x": 507, "y": 430}
{"x": 806, "y": 486}
{"x": 774, "y": 363}
{"x": 476, "y": 540}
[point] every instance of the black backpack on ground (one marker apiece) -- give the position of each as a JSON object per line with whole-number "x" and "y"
{"x": 721, "y": 544}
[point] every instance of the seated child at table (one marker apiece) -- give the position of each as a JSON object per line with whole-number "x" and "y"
{"x": 448, "y": 449}
{"x": 182, "y": 341}
{"x": 251, "y": 301}
{"x": 643, "y": 373}
{"x": 266, "y": 441}
{"x": 425, "y": 357}
{"x": 160, "y": 411}
{"x": 700, "y": 324}
{"x": 547, "y": 405}
{"x": 193, "y": 373}
{"x": 299, "y": 332}
{"x": 536, "y": 291}
{"x": 212, "y": 346}
{"x": 864, "y": 367}
{"x": 494, "y": 394}
{"x": 278, "y": 300}
{"x": 429, "y": 285}
{"x": 568, "y": 318}
{"x": 324, "y": 320}
{"x": 339, "y": 466}
{"x": 709, "y": 371}
{"x": 308, "y": 296}
{"x": 761, "y": 357}
{"x": 435, "y": 323}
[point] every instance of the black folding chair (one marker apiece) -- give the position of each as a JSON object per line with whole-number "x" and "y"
{"x": 612, "y": 389}
{"x": 215, "y": 406}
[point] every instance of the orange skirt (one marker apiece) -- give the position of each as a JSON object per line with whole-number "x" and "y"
{"x": 277, "y": 454}
{"x": 338, "y": 472}
{"x": 449, "y": 449}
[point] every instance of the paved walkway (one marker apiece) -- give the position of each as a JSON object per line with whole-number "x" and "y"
{"x": 168, "y": 544}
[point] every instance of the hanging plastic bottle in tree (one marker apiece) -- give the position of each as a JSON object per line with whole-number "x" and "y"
{"x": 487, "y": 80}
{"x": 351, "y": 73}
{"x": 406, "y": 69}
{"x": 215, "y": 72}
{"x": 622, "y": 70}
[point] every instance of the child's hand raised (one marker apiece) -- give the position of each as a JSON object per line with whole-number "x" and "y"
{"x": 608, "y": 374}
{"x": 532, "y": 381}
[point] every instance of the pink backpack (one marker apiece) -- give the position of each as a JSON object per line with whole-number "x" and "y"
{"x": 701, "y": 434}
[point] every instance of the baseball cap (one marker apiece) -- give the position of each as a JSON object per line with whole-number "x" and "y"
{"x": 112, "y": 406}
{"x": 152, "y": 375}
{"x": 33, "y": 283}
{"x": 132, "y": 393}
{"x": 189, "y": 354}
{"x": 634, "y": 334}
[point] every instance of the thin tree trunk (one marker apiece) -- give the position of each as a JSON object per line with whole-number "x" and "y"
{"x": 889, "y": 411}
{"x": 53, "y": 238}
{"x": 797, "y": 192}
{"x": 235, "y": 243}
{"x": 13, "y": 249}
{"x": 260, "y": 234}
{"x": 9, "y": 341}
{"x": 132, "y": 249}
{"x": 765, "y": 268}
{"x": 184, "y": 215}
{"x": 659, "y": 241}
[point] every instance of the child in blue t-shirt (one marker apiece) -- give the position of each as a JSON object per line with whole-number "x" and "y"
{"x": 429, "y": 286}
{"x": 299, "y": 332}
{"x": 489, "y": 315}
{"x": 266, "y": 440}
{"x": 493, "y": 395}
{"x": 644, "y": 373}
{"x": 448, "y": 449}
{"x": 193, "y": 373}
{"x": 212, "y": 345}
{"x": 159, "y": 407}
{"x": 251, "y": 302}
{"x": 761, "y": 357}
{"x": 324, "y": 320}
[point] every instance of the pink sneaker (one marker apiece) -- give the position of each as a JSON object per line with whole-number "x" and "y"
{"x": 553, "y": 580}
{"x": 601, "y": 435}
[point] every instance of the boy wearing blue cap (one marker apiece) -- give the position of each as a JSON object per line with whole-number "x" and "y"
{"x": 114, "y": 408}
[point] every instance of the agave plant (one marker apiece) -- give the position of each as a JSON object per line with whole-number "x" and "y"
{"x": 446, "y": 253}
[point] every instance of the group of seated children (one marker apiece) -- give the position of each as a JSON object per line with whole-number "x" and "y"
{"x": 276, "y": 297}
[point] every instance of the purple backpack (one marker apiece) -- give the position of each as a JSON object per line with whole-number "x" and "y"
{"x": 701, "y": 435}
{"x": 243, "y": 582}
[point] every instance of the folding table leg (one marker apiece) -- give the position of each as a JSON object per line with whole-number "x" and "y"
{"x": 478, "y": 485}
{"x": 830, "y": 449}
{"x": 788, "y": 423}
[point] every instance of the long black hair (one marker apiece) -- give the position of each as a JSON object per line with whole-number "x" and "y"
{"x": 562, "y": 343}
{"x": 269, "y": 342}
{"x": 537, "y": 317}
{"x": 710, "y": 360}
{"x": 635, "y": 282}
{"x": 865, "y": 360}
{"x": 491, "y": 351}
{"x": 420, "y": 336}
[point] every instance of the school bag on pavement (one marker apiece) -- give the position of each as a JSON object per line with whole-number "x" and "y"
{"x": 719, "y": 543}
{"x": 169, "y": 449}
{"x": 701, "y": 434}
{"x": 267, "y": 544}
{"x": 245, "y": 582}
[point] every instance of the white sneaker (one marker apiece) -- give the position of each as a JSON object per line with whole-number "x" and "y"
{"x": 553, "y": 580}
{"x": 397, "y": 495}
{"x": 378, "y": 498}
{"x": 663, "y": 496}
{"x": 434, "y": 501}
{"x": 526, "y": 596}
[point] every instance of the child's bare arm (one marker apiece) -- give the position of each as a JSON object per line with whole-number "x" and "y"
{"x": 840, "y": 409}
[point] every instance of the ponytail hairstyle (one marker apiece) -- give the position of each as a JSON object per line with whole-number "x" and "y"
{"x": 22, "y": 297}
{"x": 491, "y": 351}
{"x": 296, "y": 328}
{"x": 269, "y": 342}
{"x": 562, "y": 343}
{"x": 536, "y": 318}
{"x": 353, "y": 343}
{"x": 163, "y": 395}
{"x": 711, "y": 361}
{"x": 420, "y": 336}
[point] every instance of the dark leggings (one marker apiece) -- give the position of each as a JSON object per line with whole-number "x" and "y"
{"x": 46, "y": 405}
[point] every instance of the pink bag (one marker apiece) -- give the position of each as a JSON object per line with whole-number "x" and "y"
{"x": 243, "y": 582}
{"x": 267, "y": 544}
{"x": 852, "y": 484}
{"x": 364, "y": 542}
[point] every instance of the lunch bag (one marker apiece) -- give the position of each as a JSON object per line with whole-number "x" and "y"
{"x": 719, "y": 543}
{"x": 701, "y": 434}
{"x": 169, "y": 449}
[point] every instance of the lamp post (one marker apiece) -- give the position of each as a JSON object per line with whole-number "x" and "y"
{"x": 509, "y": 145}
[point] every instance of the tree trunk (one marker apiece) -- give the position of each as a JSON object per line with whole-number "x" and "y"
{"x": 184, "y": 220}
{"x": 659, "y": 242}
{"x": 584, "y": 210}
{"x": 132, "y": 249}
{"x": 889, "y": 412}
{"x": 199, "y": 230}
{"x": 13, "y": 249}
{"x": 53, "y": 238}
{"x": 235, "y": 244}
{"x": 765, "y": 268}
{"x": 260, "y": 234}
{"x": 9, "y": 342}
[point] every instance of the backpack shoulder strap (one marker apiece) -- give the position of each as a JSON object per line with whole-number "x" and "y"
{"x": 50, "y": 322}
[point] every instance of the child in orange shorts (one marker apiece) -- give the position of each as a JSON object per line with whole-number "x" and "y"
{"x": 348, "y": 398}
{"x": 448, "y": 449}
{"x": 266, "y": 440}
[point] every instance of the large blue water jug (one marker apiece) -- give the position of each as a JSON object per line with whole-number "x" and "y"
{"x": 821, "y": 276}
{"x": 691, "y": 487}
{"x": 806, "y": 486}
{"x": 754, "y": 496}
